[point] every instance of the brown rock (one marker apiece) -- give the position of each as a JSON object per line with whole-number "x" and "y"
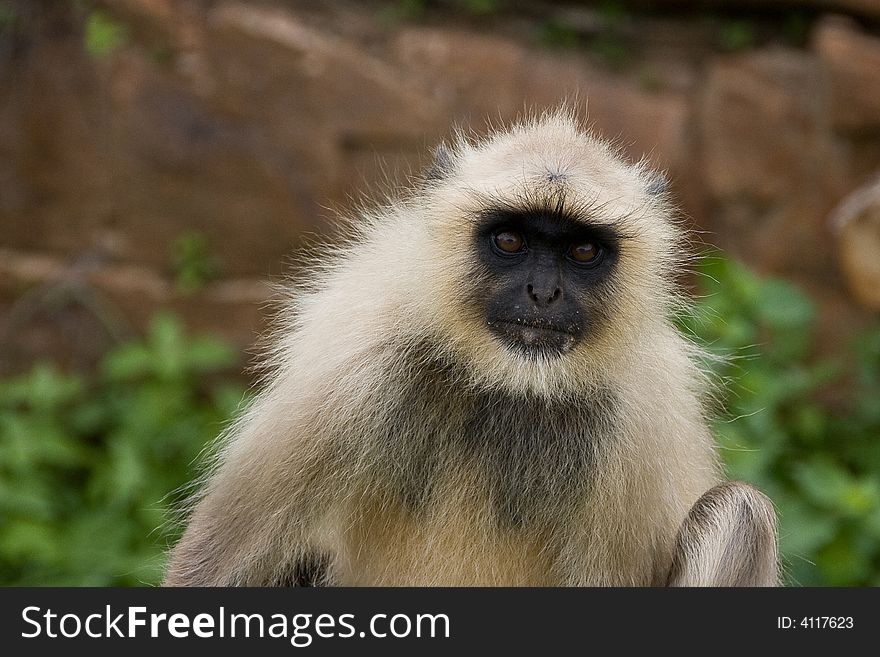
{"x": 856, "y": 221}
{"x": 73, "y": 312}
{"x": 851, "y": 60}
{"x": 480, "y": 77}
{"x": 771, "y": 165}
{"x": 464, "y": 69}
{"x": 762, "y": 123}
{"x": 245, "y": 134}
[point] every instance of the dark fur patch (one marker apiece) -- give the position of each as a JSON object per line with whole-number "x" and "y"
{"x": 311, "y": 569}
{"x": 536, "y": 456}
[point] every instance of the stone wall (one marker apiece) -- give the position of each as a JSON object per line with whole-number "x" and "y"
{"x": 251, "y": 123}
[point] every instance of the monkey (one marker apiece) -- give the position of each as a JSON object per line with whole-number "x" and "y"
{"x": 481, "y": 384}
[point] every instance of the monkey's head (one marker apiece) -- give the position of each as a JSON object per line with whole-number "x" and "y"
{"x": 547, "y": 257}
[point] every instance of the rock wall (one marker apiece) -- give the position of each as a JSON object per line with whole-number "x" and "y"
{"x": 249, "y": 124}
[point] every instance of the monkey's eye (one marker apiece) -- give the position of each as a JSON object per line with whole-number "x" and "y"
{"x": 585, "y": 253}
{"x": 508, "y": 241}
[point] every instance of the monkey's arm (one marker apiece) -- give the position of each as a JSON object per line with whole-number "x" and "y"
{"x": 256, "y": 523}
{"x": 727, "y": 539}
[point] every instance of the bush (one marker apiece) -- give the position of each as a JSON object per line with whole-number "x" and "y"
{"x": 818, "y": 461}
{"x": 89, "y": 470}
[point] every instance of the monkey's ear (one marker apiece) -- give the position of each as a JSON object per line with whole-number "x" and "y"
{"x": 442, "y": 165}
{"x": 658, "y": 184}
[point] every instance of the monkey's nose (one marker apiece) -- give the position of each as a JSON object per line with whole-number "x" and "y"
{"x": 543, "y": 295}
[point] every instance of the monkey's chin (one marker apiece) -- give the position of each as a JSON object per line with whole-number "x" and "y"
{"x": 534, "y": 342}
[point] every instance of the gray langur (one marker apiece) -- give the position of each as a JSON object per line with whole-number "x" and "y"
{"x": 482, "y": 385}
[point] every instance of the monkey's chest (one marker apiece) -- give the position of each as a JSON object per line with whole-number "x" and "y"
{"x": 456, "y": 542}
{"x": 528, "y": 461}
{"x": 466, "y": 488}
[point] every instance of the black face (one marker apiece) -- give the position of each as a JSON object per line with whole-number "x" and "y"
{"x": 549, "y": 279}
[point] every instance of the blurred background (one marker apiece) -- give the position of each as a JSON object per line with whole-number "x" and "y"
{"x": 162, "y": 160}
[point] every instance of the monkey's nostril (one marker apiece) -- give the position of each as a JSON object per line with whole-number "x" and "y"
{"x": 532, "y": 295}
{"x": 544, "y": 296}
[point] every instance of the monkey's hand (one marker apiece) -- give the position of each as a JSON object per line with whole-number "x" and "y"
{"x": 727, "y": 539}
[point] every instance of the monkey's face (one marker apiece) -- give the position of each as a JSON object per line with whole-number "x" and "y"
{"x": 544, "y": 258}
{"x": 546, "y": 279}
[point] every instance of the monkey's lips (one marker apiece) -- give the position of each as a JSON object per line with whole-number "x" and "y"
{"x": 535, "y": 337}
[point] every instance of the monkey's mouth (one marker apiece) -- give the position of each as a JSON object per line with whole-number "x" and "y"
{"x": 535, "y": 338}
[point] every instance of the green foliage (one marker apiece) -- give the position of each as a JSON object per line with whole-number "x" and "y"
{"x": 193, "y": 262}
{"x": 479, "y": 7}
{"x": 649, "y": 81}
{"x": 556, "y": 34}
{"x": 613, "y": 49}
{"x": 399, "y": 11}
{"x": 613, "y": 11}
{"x": 102, "y": 34}
{"x": 818, "y": 461}
{"x": 610, "y": 43}
{"x": 737, "y": 35}
{"x": 7, "y": 15}
{"x": 796, "y": 28}
{"x": 161, "y": 55}
{"x": 89, "y": 469}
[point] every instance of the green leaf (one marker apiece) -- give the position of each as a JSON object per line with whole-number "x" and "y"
{"x": 782, "y": 306}
{"x": 803, "y": 530}
{"x": 843, "y": 563}
{"x": 830, "y": 486}
{"x": 128, "y": 362}
{"x": 89, "y": 469}
{"x": 207, "y": 355}
{"x": 103, "y": 35}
